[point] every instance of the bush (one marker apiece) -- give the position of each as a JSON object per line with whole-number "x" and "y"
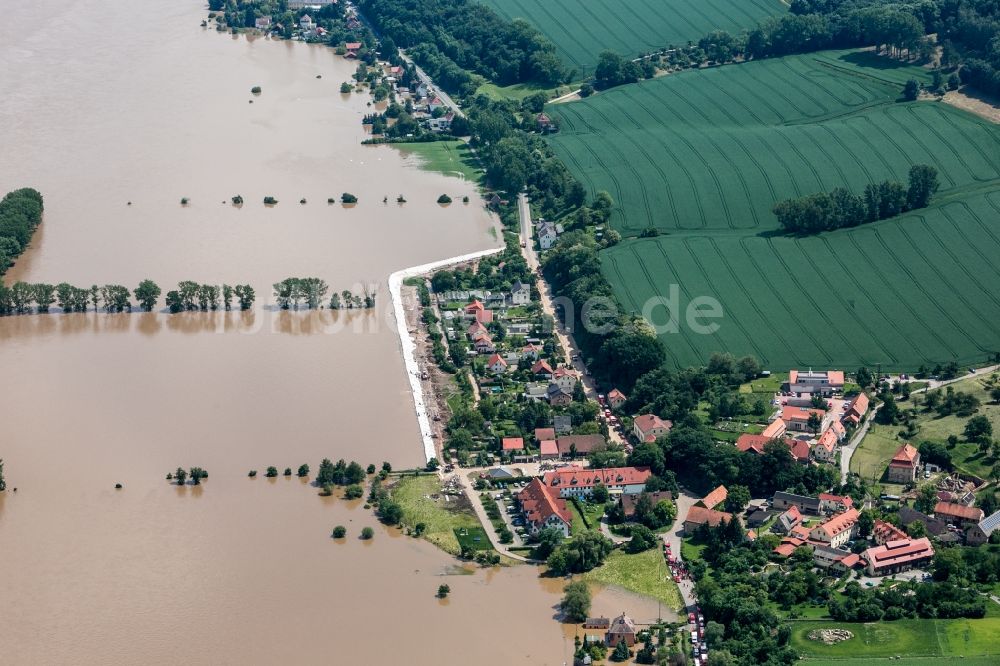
{"x": 354, "y": 491}
{"x": 271, "y": 472}
{"x": 270, "y": 201}
{"x": 348, "y": 198}
{"x": 346, "y": 87}
{"x": 184, "y": 201}
{"x": 367, "y": 533}
{"x": 303, "y": 470}
{"x": 251, "y": 474}
{"x": 444, "y": 199}
{"x": 238, "y": 200}
{"x": 443, "y": 591}
{"x": 339, "y": 532}
{"x": 255, "y": 90}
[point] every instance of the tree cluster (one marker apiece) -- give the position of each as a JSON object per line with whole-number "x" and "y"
{"x": 906, "y": 600}
{"x": 450, "y": 38}
{"x": 24, "y": 297}
{"x": 579, "y": 554}
{"x": 840, "y": 208}
{"x": 20, "y": 215}
{"x": 191, "y": 296}
{"x": 340, "y": 474}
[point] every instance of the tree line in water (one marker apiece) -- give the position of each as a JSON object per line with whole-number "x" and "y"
{"x": 293, "y": 293}
{"x": 841, "y": 208}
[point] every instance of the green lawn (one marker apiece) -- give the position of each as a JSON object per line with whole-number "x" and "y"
{"x": 908, "y": 638}
{"x": 473, "y": 538}
{"x": 643, "y": 573}
{"x": 691, "y": 551}
{"x": 519, "y": 91}
{"x": 441, "y": 518}
{"x": 581, "y": 31}
{"x": 765, "y": 386}
{"x": 881, "y": 443}
{"x": 452, "y": 158}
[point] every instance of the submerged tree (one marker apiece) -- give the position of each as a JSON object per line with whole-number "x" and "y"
{"x": 147, "y": 293}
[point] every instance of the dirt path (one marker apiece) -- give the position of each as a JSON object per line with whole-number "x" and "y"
{"x": 982, "y": 107}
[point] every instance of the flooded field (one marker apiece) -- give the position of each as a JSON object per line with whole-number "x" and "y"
{"x": 103, "y": 106}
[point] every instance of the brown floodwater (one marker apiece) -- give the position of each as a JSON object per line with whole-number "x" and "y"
{"x": 104, "y": 105}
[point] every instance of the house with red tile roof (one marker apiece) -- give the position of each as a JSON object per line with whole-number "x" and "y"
{"x": 825, "y": 449}
{"x": 616, "y": 399}
{"x": 714, "y": 498}
{"x": 884, "y": 532}
{"x": 531, "y": 351}
{"x": 497, "y": 364}
{"x": 699, "y": 515}
{"x": 799, "y": 449}
{"x": 474, "y": 307}
{"x": 622, "y": 630}
{"x": 898, "y": 555}
{"x": 834, "y": 558}
{"x": 484, "y": 344}
{"x": 476, "y": 329}
{"x": 838, "y": 428}
{"x": 566, "y": 378}
{"x": 544, "y": 433}
{"x": 575, "y": 481}
{"x": 484, "y": 316}
{"x": 775, "y": 429}
{"x": 542, "y": 369}
{"x": 752, "y": 443}
{"x": 580, "y": 445}
{"x": 829, "y": 503}
{"x": 903, "y": 466}
{"x": 548, "y": 450}
{"x": 648, "y": 427}
{"x": 857, "y": 409}
{"x": 797, "y": 418}
{"x": 823, "y": 382}
{"x": 958, "y": 514}
{"x": 788, "y": 546}
{"x": 543, "y": 509}
{"x": 512, "y": 444}
{"x": 836, "y": 531}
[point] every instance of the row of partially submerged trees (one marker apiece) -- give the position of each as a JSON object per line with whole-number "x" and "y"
{"x": 189, "y": 296}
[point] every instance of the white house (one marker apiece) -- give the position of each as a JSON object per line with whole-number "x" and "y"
{"x": 520, "y": 293}
{"x": 306, "y": 22}
{"x": 566, "y": 378}
{"x": 497, "y": 364}
{"x": 547, "y": 235}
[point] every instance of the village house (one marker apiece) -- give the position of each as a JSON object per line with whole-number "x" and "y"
{"x": 699, "y": 515}
{"x": 548, "y": 449}
{"x": 714, "y": 498}
{"x": 483, "y": 344}
{"x": 834, "y": 503}
{"x": 575, "y": 481}
{"x": 980, "y": 533}
{"x": 649, "y": 427}
{"x": 548, "y": 234}
{"x": 823, "y": 382}
{"x": 512, "y": 444}
{"x": 797, "y": 418}
{"x": 616, "y": 399}
{"x": 758, "y": 517}
{"x": 306, "y": 23}
{"x": 899, "y": 555}
{"x": 542, "y": 369}
{"x": 580, "y": 445}
{"x": 544, "y": 433}
{"x": 775, "y": 429}
{"x": 958, "y": 514}
{"x": 836, "y": 531}
{"x": 825, "y": 449}
{"x": 834, "y": 558}
{"x": 857, "y": 409}
{"x": 787, "y": 521}
{"x": 563, "y": 423}
{"x": 541, "y": 508}
{"x": 799, "y": 449}
{"x": 352, "y": 49}
{"x": 566, "y": 378}
{"x": 520, "y": 293}
{"x": 557, "y": 397}
{"x": 530, "y": 352}
{"x": 497, "y": 364}
{"x": 262, "y": 23}
{"x": 435, "y": 103}
{"x": 628, "y": 502}
{"x": 441, "y": 124}
{"x": 622, "y": 629}
{"x": 904, "y": 465}
{"x": 883, "y": 533}
{"x": 782, "y": 501}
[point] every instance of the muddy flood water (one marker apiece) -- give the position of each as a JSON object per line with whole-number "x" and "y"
{"x": 104, "y": 104}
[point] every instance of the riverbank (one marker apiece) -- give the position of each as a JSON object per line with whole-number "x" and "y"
{"x": 408, "y": 339}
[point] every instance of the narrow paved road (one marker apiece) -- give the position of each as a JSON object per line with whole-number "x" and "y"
{"x": 566, "y": 341}
{"x": 431, "y": 88}
{"x": 684, "y": 502}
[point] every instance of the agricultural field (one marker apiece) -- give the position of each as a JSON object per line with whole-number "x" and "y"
{"x": 906, "y": 638}
{"x": 581, "y": 30}
{"x": 715, "y": 149}
{"x": 919, "y": 289}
